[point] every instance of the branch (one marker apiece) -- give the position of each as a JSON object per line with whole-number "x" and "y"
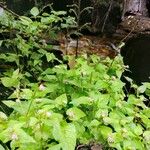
{"x": 107, "y": 15}
{"x": 88, "y": 9}
{"x": 8, "y": 10}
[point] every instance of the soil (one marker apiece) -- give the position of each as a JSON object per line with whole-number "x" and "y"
{"x": 101, "y": 46}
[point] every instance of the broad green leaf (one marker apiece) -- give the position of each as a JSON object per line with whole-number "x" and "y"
{"x": 3, "y": 56}
{"x": 25, "y": 20}
{"x": 26, "y": 94}
{"x": 65, "y": 134}
{"x": 15, "y": 133}
{"x": 117, "y": 86}
{"x": 24, "y": 137}
{"x": 141, "y": 89}
{"x": 50, "y": 57}
{"x": 138, "y": 130}
{"x": 146, "y": 136}
{"x": 80, "y": 129}
{"x": 33, "y": 121}
{"x": 16, "y": 73}
{"x": 34, "y": 11}
{"x": 55, "y": 147}
{"x": 102, "y": 100}
{"x": 75, "y": 113}
{"x": 11, "y": 58}
{"x": 61, "y": 100}
{"x": 136, "y": 101}
{"x": 100, "y": 113}
{"x": 105, "y": 131}
{"x": 21, "y": 107}
{"x": 69, "y": 137}
{"x": 3, "y": 116}
{"x": 116, "y": 117}
{"x": 145, "y": 120}
{"x": 9, "y": 82}
{"x": 1, "y": 147}
{"x": 94, "y": 123}
{"x": 147, "y": 112}
{"x": 47, "y": 20}
{"x": 81, "y": 100}
{"x": 9, "y": 103}
{"x": 133, "y": 144}
{"x": 10, "y": 132}
{"x": 57, "y": 131}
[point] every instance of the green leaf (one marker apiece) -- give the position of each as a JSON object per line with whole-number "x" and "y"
{"x": 12, "y": 58}
{"x": 105, "y": 131}
{"x": 75, "y": 113}
{"x": 61, "y": 100}
{"x": 138, "y": 130}
{"x": 145, "y": 120}
{"x": 69, "y": 139}
{"x": 133, "y": 144}
{"x": 8, "y": 133}
{"x": 47, "y": 20}
{"x": 3, "y": 116}
{"x": 146, "y": 136}
{"x": 55, "y": 147}
{"x": 33, "y": 121}
{"x": 24, "y": 137}
{"x": 65, "y": 134}
{"x": 9, "y": 82}
{"x": 142, "y": 89}
{"x": 25, "y": 20}
{"x": 81, "y": 100}
{"x": 34, "y": 11}
{"x": 1, "y": 147}
{"x": 1, "y": 41}
{"x": 15, "y": 73}
{"x": 59, "y": 12}
{"x": 26, "y": 94}
{"x": 9, "y": 103}
{"x": 147, "y": 112}
{"x": 50, "y": 57}
{"x": 94, "y": 123}
{"x": 57, "y": 131}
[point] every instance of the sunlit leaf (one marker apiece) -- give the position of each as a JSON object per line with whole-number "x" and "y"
{"x": 61, "y": 100}
{"x": 1, "y": 147}
{"x": 9, "y": 82}
{"x": 105, "y": 131}
{"x": 25, "y": 20}
{"x": 81, "y": 100}
{"x": 34, "y": 11}
{"x": 69, "y": 140}
{"x": 75, "y": 113}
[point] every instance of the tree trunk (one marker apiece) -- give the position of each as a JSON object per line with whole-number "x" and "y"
{"x": 106, "y": 16}
{"x": 135, "y": 18}
{"x": 135, "y": 7}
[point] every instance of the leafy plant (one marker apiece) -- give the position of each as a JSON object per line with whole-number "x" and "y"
{"x": 79, "y": 12}
{"x": 55, "y": 108}
{"x": 73, "y": 106}
{"x": 29, "y": 42}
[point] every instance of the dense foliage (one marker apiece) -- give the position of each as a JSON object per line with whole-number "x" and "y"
{"x": 58, "y": 108}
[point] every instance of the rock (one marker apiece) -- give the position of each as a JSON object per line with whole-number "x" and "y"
{"x": 135, "y": 24}
{"x": 136, "y": 54}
